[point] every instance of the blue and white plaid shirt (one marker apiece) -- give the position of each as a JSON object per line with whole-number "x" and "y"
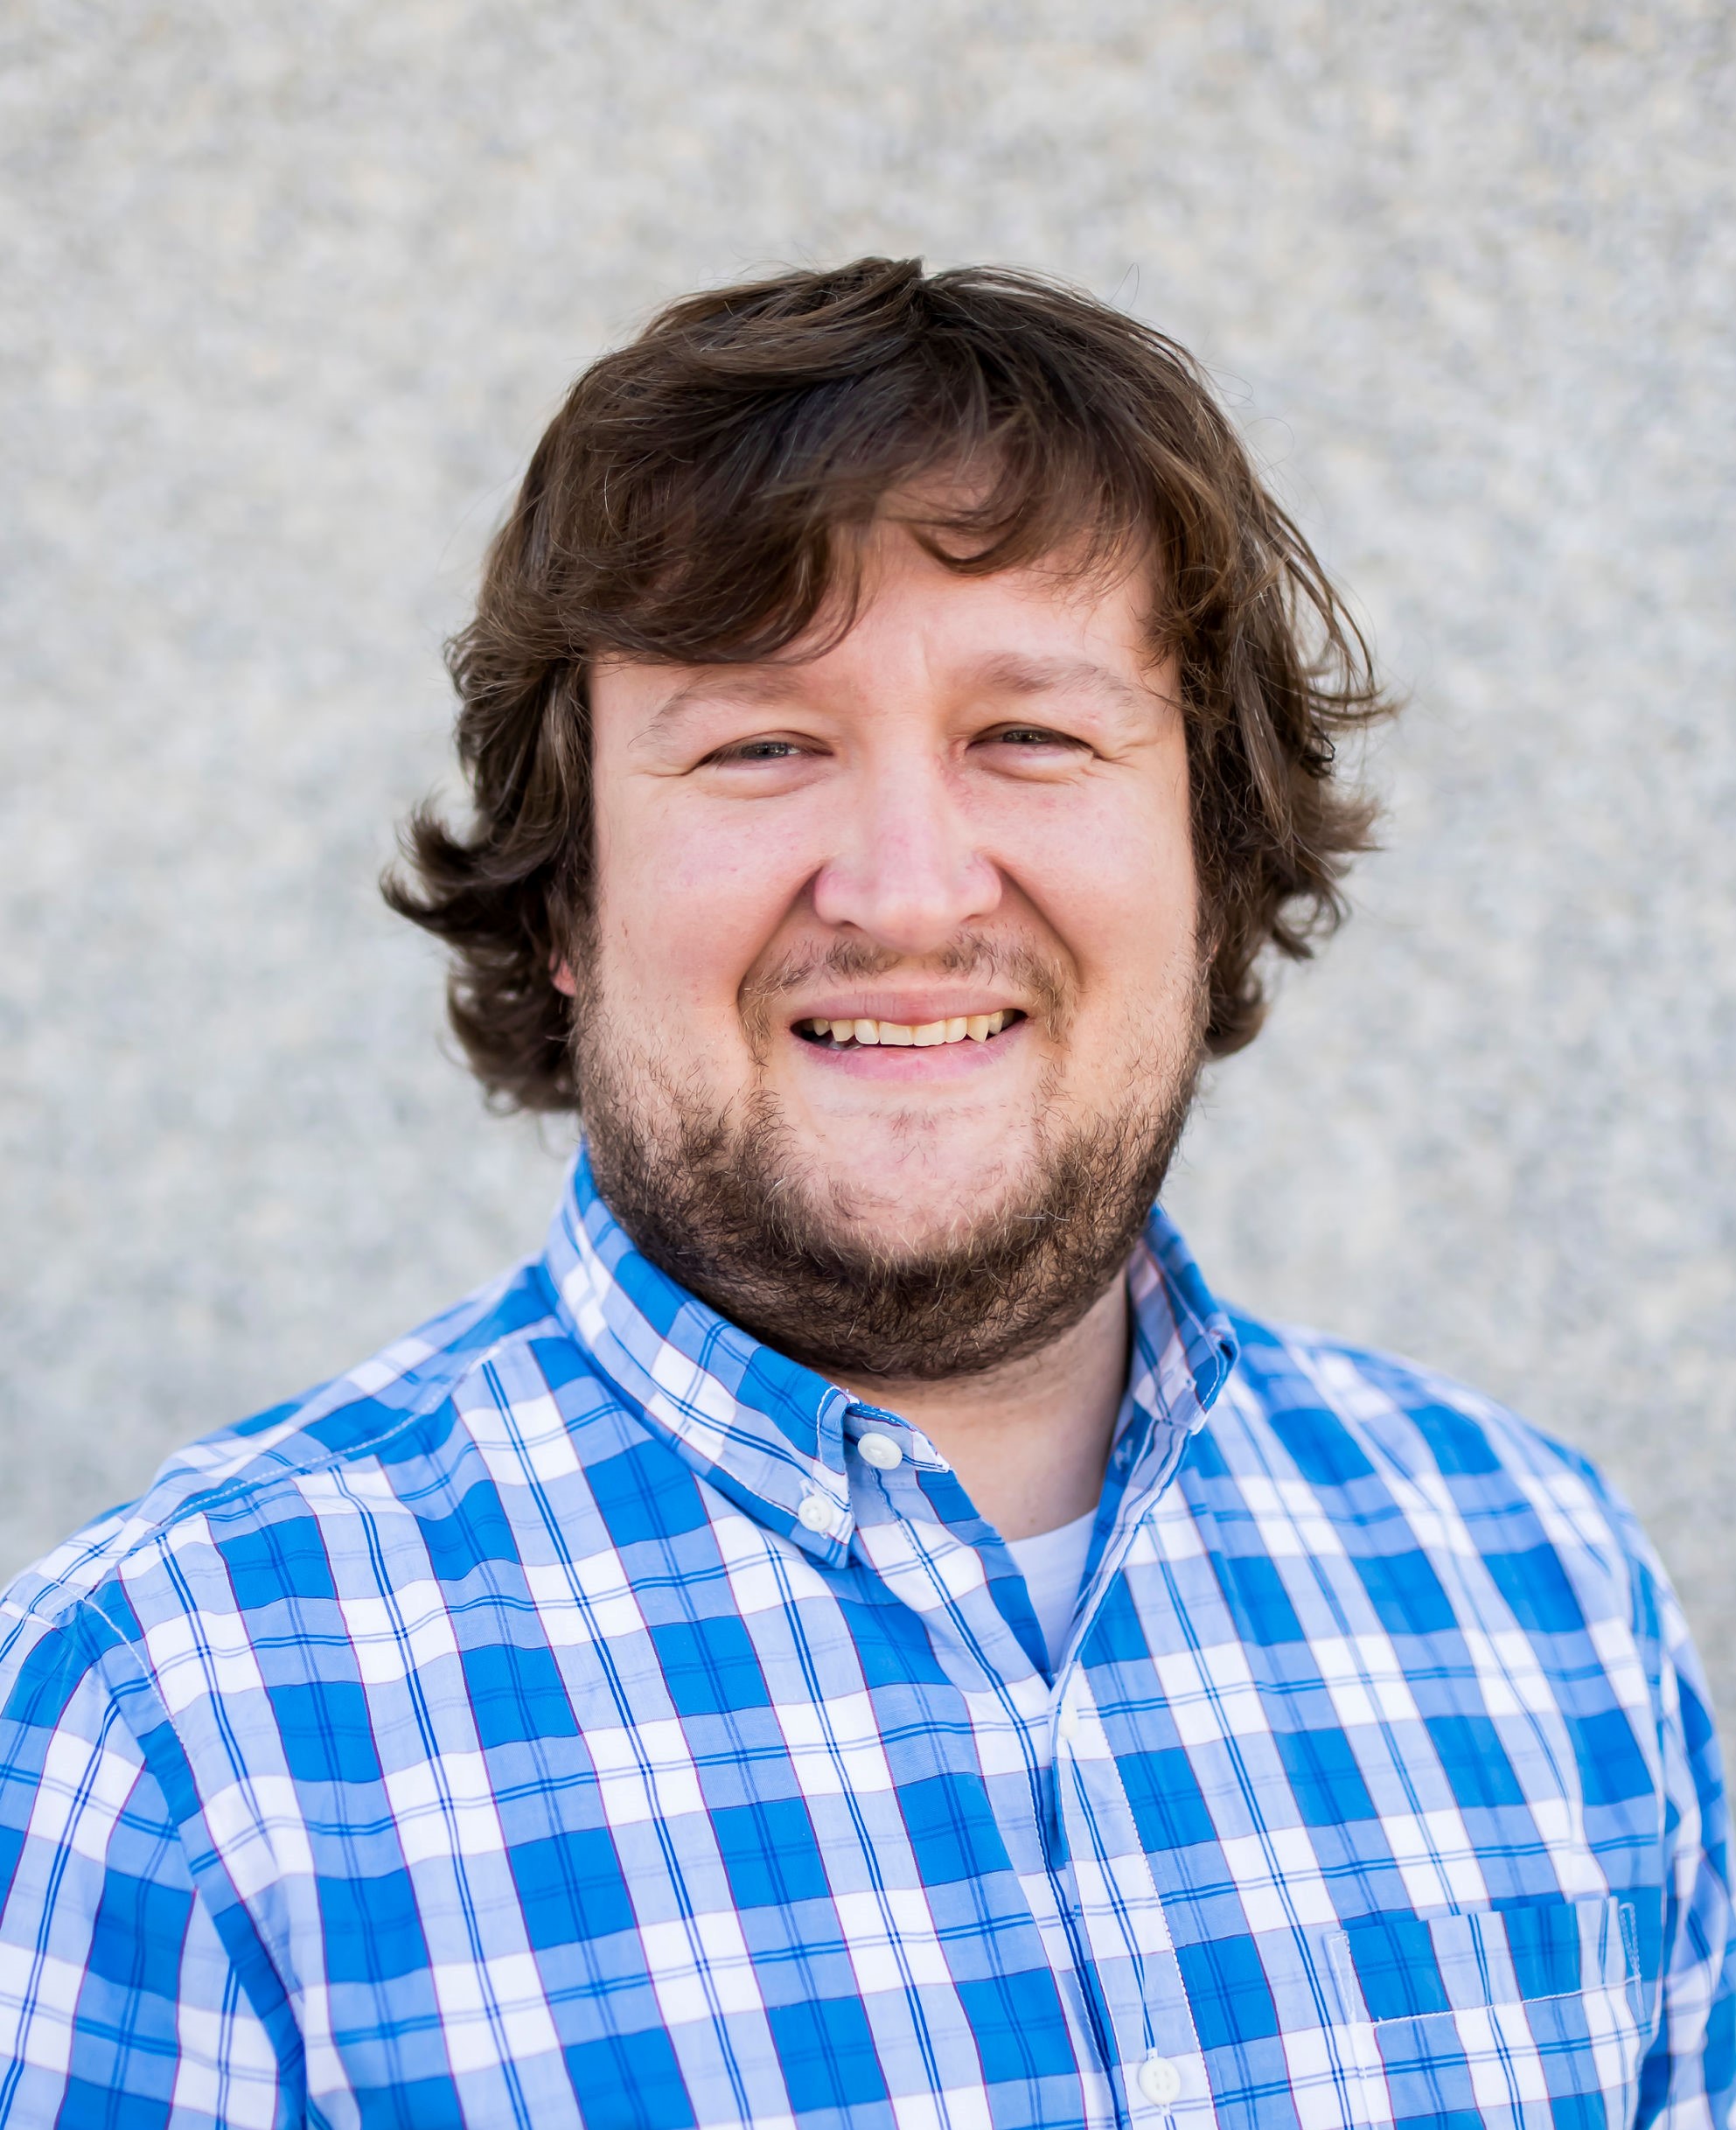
{"x": 562, "y": 1720}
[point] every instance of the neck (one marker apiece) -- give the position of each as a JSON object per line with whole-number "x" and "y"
{"x": 1029, "y": 1443}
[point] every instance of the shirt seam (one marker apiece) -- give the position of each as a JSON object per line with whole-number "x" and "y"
{"x": 84, "y": 1613}
{"x": 266, "y": 1488}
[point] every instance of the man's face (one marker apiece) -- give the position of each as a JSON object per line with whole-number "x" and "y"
{"x": 905, "y": 928}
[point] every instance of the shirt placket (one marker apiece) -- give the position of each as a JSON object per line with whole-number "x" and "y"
{"x": 1156, "y": 2063}
{"x": 1094, "y": 1900}
{"x": 912, "y": 1547}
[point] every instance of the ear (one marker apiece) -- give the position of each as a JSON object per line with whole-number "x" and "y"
{"x": 560, "y": 970}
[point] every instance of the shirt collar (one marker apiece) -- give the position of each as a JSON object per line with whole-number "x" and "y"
{"x": 770, "y": 1434}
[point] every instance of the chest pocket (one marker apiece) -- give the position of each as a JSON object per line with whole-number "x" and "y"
{"x": 1527, "y": 2017}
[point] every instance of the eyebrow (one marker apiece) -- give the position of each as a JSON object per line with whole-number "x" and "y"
{"x": 1013, "y": 672}
{"x": 1004, "y": 673}
{"x": 741, "y": 684}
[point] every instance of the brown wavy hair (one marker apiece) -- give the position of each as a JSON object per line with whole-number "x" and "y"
{"x": 700, "y": 498}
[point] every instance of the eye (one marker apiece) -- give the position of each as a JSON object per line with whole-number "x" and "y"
{"x": 1030, "y": 738}
{"x": 758, "y": 750}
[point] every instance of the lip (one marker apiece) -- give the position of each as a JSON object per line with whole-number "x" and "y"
{"x": 912, "y": 1009}
{"x": 941, "y": 1062}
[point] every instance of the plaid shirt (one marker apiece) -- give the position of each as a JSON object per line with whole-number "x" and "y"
{"x": 573, "y": 1716}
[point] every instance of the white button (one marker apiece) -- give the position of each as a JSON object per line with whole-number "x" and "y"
{"x": 880, "y": 1451}
{"x": 1160, "y": 2081}
{"x": 1067, "y": 1728}
{"x": 815, "y": 1513}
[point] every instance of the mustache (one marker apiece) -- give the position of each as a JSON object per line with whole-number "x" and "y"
{"x": 1043, "y": 980}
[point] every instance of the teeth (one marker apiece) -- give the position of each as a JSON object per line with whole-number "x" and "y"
{"x": 976, "y": 1028}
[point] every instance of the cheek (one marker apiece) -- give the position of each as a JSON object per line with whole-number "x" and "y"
{"x": 686, "y": 901}
{"x": 1114, "y": 879}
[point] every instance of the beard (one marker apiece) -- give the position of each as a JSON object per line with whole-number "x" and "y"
{"x": 722, "y": 1200}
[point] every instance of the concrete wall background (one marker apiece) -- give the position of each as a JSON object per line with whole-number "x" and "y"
{"x": 289, "y": 292}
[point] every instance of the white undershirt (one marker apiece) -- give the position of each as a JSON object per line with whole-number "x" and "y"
{"x": 1053, "y": 1565}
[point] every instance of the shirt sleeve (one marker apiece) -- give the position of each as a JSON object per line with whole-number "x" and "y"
{"x": 119, "y": 2002}
{"x": 1688, "y": 2080}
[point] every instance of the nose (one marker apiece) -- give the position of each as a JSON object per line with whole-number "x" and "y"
{"x": 907, "y": 870}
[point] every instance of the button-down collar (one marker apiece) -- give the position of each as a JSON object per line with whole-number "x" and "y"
{"x": 771, "y": 1434}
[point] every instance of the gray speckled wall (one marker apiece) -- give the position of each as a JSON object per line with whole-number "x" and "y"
{"x": 289, "y": 292}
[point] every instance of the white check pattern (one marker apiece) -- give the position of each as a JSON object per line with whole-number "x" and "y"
{"x": 560, "y": 1721}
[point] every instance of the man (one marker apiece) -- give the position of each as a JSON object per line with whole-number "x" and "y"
{"x": 853, "y": 1634}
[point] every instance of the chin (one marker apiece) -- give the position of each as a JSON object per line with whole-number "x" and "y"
{"x": 908, "y": 1212}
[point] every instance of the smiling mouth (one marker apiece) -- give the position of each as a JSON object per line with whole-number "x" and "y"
{"x": 926, "y": 1035}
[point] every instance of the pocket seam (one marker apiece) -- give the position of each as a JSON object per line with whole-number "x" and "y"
{"x": 1350, "y": 1986}
{"x": 1495, "y": 2004}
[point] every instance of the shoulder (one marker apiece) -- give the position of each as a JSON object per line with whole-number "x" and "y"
{"x": 402, "y": 1401}
{"x": 1461, "y": 1520}
{"x": 1388, "y": 1444}
{"x": 1312, "y": 1384}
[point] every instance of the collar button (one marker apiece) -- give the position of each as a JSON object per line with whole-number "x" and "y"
{"x": 1160, "y": 2080}
{"x": 880, "y": 1450}
{"x": 815, "y": 1513}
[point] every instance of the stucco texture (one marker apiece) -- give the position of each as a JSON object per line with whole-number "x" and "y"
{"x": 288, "y": 293}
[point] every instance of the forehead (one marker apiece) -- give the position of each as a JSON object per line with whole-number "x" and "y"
{"x": 1033, "y": 628}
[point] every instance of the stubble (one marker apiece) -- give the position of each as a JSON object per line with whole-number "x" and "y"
{"x": 725, "y": 1202}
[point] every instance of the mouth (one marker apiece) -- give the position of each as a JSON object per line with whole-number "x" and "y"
{"x": 907, "y": 1035}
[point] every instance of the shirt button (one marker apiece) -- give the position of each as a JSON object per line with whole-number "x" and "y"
{"x": 880, "y": 1451}
{"x": 1067, "y": 1725}
{"x": 1160, "y": 2081}
{"x": 815, "y": 1513}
